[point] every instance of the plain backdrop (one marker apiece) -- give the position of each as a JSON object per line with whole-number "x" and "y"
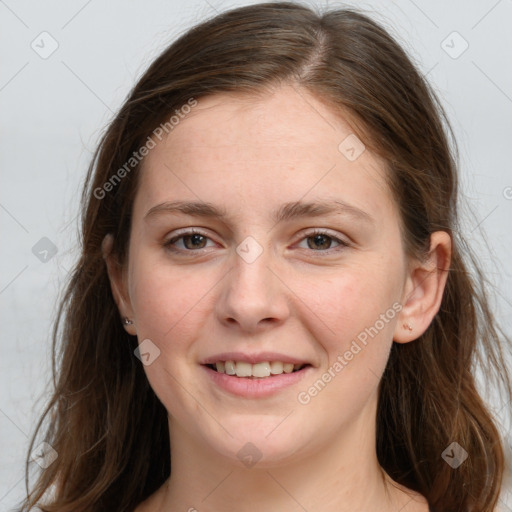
{"x": 66, "y": 67}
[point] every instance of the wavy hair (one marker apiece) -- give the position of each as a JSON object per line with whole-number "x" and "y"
{"x": 105, "y": 422}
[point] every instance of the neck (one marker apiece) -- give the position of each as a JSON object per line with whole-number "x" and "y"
{"x": 343, "y": 476}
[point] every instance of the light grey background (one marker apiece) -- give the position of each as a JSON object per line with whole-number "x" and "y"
{"x": 53, "y": 110}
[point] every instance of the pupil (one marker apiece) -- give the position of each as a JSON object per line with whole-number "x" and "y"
{"x": 318, "y": 240}
{"x": 195, "y": 238}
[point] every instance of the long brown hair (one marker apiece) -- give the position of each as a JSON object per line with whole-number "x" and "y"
{"x": 105, "y": 422}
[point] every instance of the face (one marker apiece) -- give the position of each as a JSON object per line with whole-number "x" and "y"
{"x": 269, "y": 281}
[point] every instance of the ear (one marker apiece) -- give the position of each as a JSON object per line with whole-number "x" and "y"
{"x": 118, "y": 286}
{"x": 423, "y": 290}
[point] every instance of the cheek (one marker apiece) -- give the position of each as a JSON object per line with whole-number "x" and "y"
{"x": 354, "y": 299}
{"x": 169, "y": 303}
{"x": 167, "y": 299}
{"x": 360, "y": 316}
{"x": 360, "y": 308}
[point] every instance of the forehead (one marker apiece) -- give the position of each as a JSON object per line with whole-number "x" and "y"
{"x": 287, "y": 143}
{"x": 287, "y": 117}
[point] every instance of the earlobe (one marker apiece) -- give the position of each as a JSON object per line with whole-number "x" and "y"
{"x": 424, "y": 288}
{"x": 118, "y": 285}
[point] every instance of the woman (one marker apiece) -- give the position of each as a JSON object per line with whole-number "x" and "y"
{"x": 272, "y": 309}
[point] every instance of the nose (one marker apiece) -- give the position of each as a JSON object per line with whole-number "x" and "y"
{"x": 254, "y": 296}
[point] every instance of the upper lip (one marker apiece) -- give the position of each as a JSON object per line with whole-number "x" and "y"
{"x": 253, "y": 358}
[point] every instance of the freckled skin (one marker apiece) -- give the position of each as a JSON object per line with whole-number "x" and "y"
{"x": 250, "y": 155}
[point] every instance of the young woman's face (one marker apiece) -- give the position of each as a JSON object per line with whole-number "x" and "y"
{"x": 257, "y": 284}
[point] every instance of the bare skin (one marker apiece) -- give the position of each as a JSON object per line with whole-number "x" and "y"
{"x": 404, "y": 499}
{"x": 302, "y": 296}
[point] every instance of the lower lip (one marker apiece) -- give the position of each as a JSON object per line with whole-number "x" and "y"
{"x": 256, "y": 388}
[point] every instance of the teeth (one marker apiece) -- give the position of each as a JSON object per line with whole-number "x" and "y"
{"x": 230, "y": 367}
{"x": 276, "y": 367}
{"x": 288, "y": 367}
{"x": 259, "y": 370}
{"x": 243, "y": 369}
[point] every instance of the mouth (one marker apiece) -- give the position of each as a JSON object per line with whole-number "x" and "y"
{"x": 260, "y": 370}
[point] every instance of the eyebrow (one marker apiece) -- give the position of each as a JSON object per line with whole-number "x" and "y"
{"x": 286, "y": 212}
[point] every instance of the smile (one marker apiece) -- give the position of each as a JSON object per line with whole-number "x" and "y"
{"x": 251, "y": 380}
{"x": 257, "y": 370}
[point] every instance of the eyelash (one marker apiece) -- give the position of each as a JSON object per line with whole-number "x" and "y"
{"x": 342, "y": 244}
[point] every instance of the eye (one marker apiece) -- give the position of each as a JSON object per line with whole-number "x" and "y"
{"x": 194, "y": 240}
{"x": 321, "y": 241}
{"x": 191, "y": 240}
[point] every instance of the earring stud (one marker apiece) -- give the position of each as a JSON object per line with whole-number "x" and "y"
{"x": 407, "y": 326}
{"x": 127, "y": 321}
